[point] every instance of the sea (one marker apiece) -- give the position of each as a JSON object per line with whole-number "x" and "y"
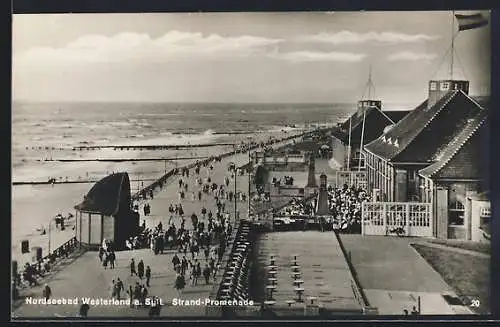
{"x": 42, "y": 133}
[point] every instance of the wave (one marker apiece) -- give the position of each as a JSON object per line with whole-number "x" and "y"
{"x": 118, "y": 123}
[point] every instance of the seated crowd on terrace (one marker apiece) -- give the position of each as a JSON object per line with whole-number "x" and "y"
{"x": 345, "y": 206}
{"x": 297, "y": 208}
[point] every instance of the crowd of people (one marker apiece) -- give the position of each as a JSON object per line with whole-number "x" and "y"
{"x": 288, "y": 181}
{"x": 345, "y": 205}
{"x": 298, "y": 207}
{"x": 199, "y": 248}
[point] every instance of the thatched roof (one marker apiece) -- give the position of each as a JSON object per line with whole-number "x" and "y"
{"x": 104, "y": 197}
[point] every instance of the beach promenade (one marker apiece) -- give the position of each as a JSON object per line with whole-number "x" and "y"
{"x": 85, "y": 277}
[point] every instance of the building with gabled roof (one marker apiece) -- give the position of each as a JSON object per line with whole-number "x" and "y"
{"x": 106, "y": 213}
{"x": 395, "y": 157}
{"x": 363, "y": 126}
{"x": 456, "y": 176}
{"x": 434, "y": 155}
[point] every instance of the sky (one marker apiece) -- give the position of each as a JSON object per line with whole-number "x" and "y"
{"x": 306, "y": 57}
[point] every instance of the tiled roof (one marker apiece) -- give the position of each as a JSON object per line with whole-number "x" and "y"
{"x": 104, "y": 197}
{"x": 451, "y": 150}
{"x": 421, "y": 133}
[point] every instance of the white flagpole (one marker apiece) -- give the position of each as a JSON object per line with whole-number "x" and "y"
{"x": 452, "y": 43}
{"x": 362, "y": 136}
{"x": 349, "y": 146}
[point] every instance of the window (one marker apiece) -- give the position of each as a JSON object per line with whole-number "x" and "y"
{"x": 485, "y": 212}
{"x": 433, "y": 86}
{"x": 445, "y": 86}
{"x": 456, "y": 213}
{"x": 456, "y": 86}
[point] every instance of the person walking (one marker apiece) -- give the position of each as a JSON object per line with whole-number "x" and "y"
{"x": 206, "y": 274}
{"x": 154, "y": 309}
{"x": 84, "y": 310}
{"x": 184, "y": 265}
{"x": 140, "y": 269}
{"x": 175, "y": 260}
{"x": 197, "y": 273}
{"x": 132, "y": 267}
{"x": 180, "y": 283}
{"x": 112, "y": 288}
{"x": 112, "y": 258}
{"x": 148, "y": 275}
{"x": 47, "y": 292}
{"x": 105, "y": 260}
{"x": 101, "y": 253}
{"x": 119, "y": 288}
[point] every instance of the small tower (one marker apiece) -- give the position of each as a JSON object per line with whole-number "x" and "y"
{"x": 311, "y": 177}
{"x": 323, "y": 208}
{"x": 439, "y": 88}
{"x": 365, "y": 104}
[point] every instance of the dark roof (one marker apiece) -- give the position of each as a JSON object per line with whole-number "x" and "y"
{"x": 340, "y": 134}
{"x": 397, "y": 115}
{"x": 104, "y": 197}
{"x": 421, "y": 133}
{"x": 452, "y": 151}
{"x": 356, "y": 119}
{"x": 375, "y": 122}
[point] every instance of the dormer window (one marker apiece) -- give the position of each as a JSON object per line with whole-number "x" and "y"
{"x": 389, "y": 140}
{"x": 445, "y": 86}
{"x": 396, "y": 143}
{"x": 433, "y": 86}
{"x": 383, "y": 138}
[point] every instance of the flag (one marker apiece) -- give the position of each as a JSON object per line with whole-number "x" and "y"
{"x": 468, "y": 22}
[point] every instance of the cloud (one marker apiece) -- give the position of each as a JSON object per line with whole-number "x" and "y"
{"x": 310, "y": 56}
{"x": 411, "y": 56}
{"x": 348, "y": 37}
{"x": 130, "y": 46}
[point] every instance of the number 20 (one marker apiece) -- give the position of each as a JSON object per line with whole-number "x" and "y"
{"x": 475, "y": 303}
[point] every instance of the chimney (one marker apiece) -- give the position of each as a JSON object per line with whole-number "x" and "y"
{"x": 439, "y": 88}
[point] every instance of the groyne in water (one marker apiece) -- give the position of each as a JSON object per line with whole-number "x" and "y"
{"x": 151, "y": 147}
{"x": 123, "y": 159}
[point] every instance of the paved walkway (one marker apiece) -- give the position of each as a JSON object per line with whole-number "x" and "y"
{"x": 85, "y": 277}
{"x": 393, "y": 275}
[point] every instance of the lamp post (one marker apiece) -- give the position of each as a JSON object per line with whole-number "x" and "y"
{"x": 235, "y": 202}
{"x": 50, "y": 224}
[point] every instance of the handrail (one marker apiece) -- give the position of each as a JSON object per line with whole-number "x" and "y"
{"x": 64, "y": 250}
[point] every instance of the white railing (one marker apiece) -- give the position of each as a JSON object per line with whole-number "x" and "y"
{"x": 352, "y": 178}
{"x": 396, "y": 218}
